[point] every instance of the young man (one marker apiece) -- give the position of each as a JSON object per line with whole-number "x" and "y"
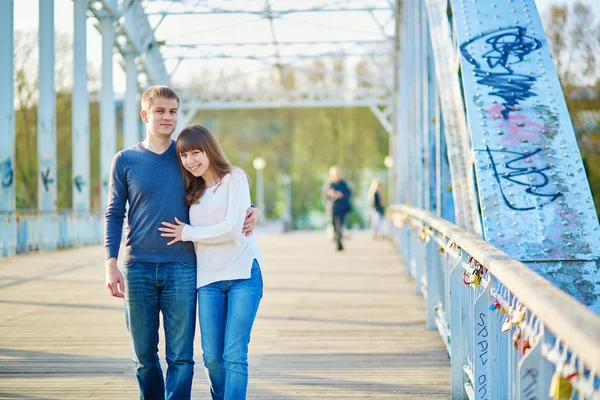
{"x": 157, "y": 278}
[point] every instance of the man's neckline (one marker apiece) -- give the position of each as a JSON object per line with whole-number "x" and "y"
{"x": 141, "y": 144}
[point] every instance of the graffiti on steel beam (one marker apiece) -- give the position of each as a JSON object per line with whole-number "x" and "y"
{"x": 514, "y": 168}
{"x": 505, "y": 47}
{"x": 7, "y": 173}
{"x": 79, "y": 182}
{"x": 46, "y": 179}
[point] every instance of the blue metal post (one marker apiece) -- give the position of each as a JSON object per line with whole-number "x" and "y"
{"x": 8, "y": 226}
{"x": 107, "y": 108}
{"x": 80, "y": 107}
{"x": 131, "y": 107}
{"x": 433, "y": 264}
{"x": 47, "y": 173}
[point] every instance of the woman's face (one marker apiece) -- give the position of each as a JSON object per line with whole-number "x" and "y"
{"x": 195, "y": 161}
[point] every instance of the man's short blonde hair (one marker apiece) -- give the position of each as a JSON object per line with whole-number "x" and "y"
{"x": 157, "y": 91}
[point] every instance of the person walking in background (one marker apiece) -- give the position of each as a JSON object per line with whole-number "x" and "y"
{"x": 339, "y": 193}
{"x": 156, "y": 279}
{"x": 376, "y": 201}
{"x": 229, "y": 281}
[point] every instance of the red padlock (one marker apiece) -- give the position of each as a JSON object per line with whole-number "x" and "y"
{"x": 525, "y": 346}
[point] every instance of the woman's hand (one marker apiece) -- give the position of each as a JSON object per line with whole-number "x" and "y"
{"x": 252, "y": 217}
{"x": 172, "y": 231}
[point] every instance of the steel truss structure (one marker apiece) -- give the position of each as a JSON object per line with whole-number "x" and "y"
{"x": 264, "y": 25}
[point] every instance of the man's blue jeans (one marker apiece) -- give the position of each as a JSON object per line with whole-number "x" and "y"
{"x": 227, "y": 310}
{"x": 170, "y": 288}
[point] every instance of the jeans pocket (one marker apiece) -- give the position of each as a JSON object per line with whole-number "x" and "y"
{"x": 189, "y": 264}
{"x": 256, "y": 273}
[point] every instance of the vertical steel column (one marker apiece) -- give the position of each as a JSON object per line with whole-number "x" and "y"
{"x": 107, "y": 108}
{"x": 402, "y": 133}
{"x": 130, "y": 109}
{"x": 400, "y": 161}
{"x": 433, "y": 122}
{"x": 8, "y": 227}
{"x": 410, "y": 99}
{"x": 447, "y": 208}
{"x": 417, "y": 139}
{"x": 420, "y": 115}
{"x": 81, "y": 110}
{"x": 47, "y": 173}
{"x": 392, "y": 182}
{"x": 46, "y": 111}
{"x": 434, "y": 258}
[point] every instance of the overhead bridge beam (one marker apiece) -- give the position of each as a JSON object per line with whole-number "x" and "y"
{"x": 134, "y": 35}
{"x": 363, "y": 97}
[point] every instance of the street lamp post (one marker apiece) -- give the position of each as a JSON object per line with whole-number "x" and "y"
{"x": 259, "y": 164}
{"x": 287, "y": 194}
{"x": 388, "y": 161}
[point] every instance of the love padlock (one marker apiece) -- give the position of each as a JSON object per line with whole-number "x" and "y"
{"x": 516, "y": 338}
{"x": 495, "y": 305}
{"x": 475, "y": 280}
{"x": 507, "y": 325}
{"x": 518, "y": 316}
{"x": 466, "y": 278}
{"x": 422, "y": 235}
{"x": 525, "y": 346}
{"x": 561, "y": 387}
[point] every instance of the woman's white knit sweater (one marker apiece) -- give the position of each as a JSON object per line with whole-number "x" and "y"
{"x": 222, "y": 251}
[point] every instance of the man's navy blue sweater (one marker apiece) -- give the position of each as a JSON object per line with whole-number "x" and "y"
{"x": 153, "y": 185}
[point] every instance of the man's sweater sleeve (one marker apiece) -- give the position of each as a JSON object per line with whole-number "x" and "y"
{"x": 115, "y": 210}
{"x": 238, "y": 198}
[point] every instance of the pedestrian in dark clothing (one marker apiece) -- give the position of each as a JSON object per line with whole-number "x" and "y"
{"x": 340, "y": 194}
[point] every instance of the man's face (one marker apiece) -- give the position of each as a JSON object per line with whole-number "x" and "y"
{"x": 334, "y": 175}
{"x": 161, "y": 117}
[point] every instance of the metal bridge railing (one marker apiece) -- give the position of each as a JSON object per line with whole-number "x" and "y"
{"x": 23, "y": 231}
{"x": 509, "y": 332}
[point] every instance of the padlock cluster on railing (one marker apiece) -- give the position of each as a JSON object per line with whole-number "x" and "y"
{"x": 570, "y": 376}
{"x": 518, "y": 336}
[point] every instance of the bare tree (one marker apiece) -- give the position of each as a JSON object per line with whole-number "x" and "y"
{"x": 573, "y": 38}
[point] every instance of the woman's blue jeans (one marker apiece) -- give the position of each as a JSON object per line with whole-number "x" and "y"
{"x": 227, "y": 310}
{"x": 170, "y": 289}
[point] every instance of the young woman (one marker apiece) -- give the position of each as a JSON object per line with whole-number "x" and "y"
{"x": 229, "y": 279}
{"x": 376, "y": 199}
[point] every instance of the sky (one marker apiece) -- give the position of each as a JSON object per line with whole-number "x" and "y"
{"x": 26, "y": 19}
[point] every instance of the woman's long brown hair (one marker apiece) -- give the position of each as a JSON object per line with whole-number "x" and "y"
{"x": 198, "y": 137}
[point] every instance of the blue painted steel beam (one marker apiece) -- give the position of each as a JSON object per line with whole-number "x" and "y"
{"x": 8, "y": 229}
{"x": 536, "y": 203}
{"x": 108, "y": 134}
{"x": 81, "y": 111}
{"x": 46, "y": 139}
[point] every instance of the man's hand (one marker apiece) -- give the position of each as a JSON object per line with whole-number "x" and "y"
{"x": 172, "y": 231}
{"x": 252, "y": 217}
{"x": 115, "y": 284}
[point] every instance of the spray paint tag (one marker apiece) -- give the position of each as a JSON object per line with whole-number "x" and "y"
{"x": 481, "y": 363}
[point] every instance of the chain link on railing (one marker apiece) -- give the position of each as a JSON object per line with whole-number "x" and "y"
{"x": 24, "y": 231}
{"x": 510, "y": 333}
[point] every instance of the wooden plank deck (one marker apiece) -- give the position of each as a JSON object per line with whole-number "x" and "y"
{"x": 331, "y": 326}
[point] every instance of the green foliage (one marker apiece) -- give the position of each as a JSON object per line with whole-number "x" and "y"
{"x": 303, "y": 143}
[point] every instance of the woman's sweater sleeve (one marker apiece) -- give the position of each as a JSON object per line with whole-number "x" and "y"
{"x": 238, "y": 201}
